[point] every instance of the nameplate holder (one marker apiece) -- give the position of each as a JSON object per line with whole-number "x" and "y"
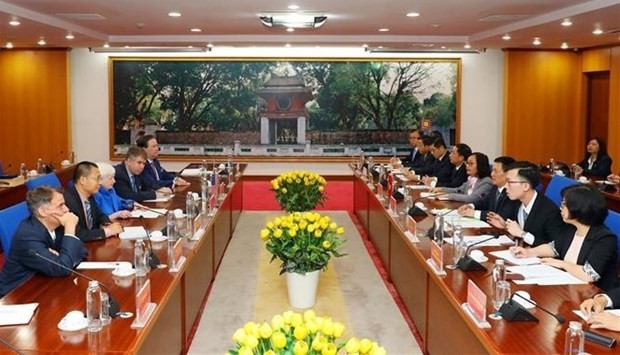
{"x": 411, "y": 232}
{"x": 177, "y": 256}
{"x": 436, "y": 260}
{"x": 144, "y": 306}
{"x": 380, "y": 192}
{"x": 392, "y": 207}
{"x": 476, "y": 305}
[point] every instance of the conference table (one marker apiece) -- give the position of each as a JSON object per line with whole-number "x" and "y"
{"x": 434, "y": 302}
{"x": 610, "y": 192}
{"x": 178, "y": 295}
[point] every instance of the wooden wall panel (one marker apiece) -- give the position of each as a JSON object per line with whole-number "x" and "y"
{"x": 613, "y": 145}
{"x": 596, "y": 60}
{"x": 34, "y": 107}
{"x": 543, "y": 106}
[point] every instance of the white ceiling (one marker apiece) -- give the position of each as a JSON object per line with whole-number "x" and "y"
{"x": 441, "y": 23}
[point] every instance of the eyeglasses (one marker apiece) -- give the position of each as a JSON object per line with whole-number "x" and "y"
{"x": 562, "y": 204}
{"x": 516, "y": 182}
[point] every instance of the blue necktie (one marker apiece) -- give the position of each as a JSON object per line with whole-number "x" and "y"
{"x": 134, "y": 186}
{"x": 89, "y": 214}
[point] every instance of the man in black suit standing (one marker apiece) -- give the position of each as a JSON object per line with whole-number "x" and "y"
{"x": 538, "y": 219}
{"x": 93, "y": 224}
{"x": 130, "y": 183}
{"x": 49, "y": 232}
{"x": 496, "y": 202}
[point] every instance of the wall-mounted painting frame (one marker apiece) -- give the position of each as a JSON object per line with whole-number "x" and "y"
{"x": 281, "y": 109}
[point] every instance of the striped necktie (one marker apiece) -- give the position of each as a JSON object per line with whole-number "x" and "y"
{"x": 89, "y": 214}
{"x": 134, "y": 186}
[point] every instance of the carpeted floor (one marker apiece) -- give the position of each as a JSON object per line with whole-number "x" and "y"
{"x": 248, "y": 288}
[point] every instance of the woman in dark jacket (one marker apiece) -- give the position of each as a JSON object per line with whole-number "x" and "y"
{"x": 596, "y": 161}
{"x": 585, "y": 249}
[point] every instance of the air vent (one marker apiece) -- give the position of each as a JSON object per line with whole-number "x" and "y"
{"x": 85, "y": 17}
{"x": 503, "y": 18}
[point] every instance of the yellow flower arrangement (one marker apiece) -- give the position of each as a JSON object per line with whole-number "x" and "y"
{"x": 294, "y": 333}
{"x": 299, "y": 191}
{"x": 304, "y": 242}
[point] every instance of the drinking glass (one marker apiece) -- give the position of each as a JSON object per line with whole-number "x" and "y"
{"x": 500, "y": 296}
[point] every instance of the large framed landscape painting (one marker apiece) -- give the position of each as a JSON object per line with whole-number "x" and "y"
{"x": 281, "y": 108}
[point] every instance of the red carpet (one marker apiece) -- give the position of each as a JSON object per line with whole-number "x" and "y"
{"x": 257, "y": 196}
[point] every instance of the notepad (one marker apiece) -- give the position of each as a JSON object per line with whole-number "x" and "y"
{"x": 15, "y": 314}
{"x": 509, "y": 257}
{"x": 161, "y": 199}
{"x": 150, "y": 213}
{"x": 130, "y": 233}
{"x": 615, "y": 312}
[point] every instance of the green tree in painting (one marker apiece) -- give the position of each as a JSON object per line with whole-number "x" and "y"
{"x": 441, "y": 109}
{"x": 135, "y": 91}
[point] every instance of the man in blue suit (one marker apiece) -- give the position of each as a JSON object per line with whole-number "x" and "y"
{"x": 49, "y": 232}
{"x": 153, "y": 169}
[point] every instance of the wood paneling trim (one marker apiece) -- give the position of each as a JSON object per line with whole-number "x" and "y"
{"x": 613, "y": 144}
{"x": 596, "y": 60}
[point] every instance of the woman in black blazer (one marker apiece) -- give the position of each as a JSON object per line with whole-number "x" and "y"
{"x": 596, "y": 161}
{"x": 585, "y": 249}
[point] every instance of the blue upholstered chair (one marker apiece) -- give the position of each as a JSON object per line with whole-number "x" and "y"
{"x": 1, "y": 168}
{"x": 10, "y": 218}
{"x": 613, "y": 223}
{"x": 47, "y": 179}
{"x": 554, "y": 189}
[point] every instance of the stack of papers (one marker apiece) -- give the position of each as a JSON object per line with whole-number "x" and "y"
{"x": 502, "y": 240}
{"x": 14, "y": 314}
{"x": 165, "y": 198}
{"x": 509, "y": 257}
{"x": 191, "y": 172}
{"x": 543, "y": 275}
{"x": 131, "y": 233}
{"x": 417, "y": 187}
{"x": 615, "y": 312}
{"x": 150, "y": 213}
{"x": 98, "y": 265}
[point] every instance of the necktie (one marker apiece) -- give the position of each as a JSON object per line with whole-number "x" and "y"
{"x": 154, "y": 170}
{"x": 134, "y": 186}
{"x": 525, "y": 215}
{"x": 498, "y": 197}
{"x": 89, "y": 214}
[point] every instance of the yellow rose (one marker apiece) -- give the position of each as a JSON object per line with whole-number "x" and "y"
{"x": 326, "y": 244}
{"x": 239, "y": 336}
{"x": 277, "y": 322}
{"x": 244, "y": 350}
{"x": 277, "y": 233}
{"x": 301, "y": 348}
{"x": 265, "y": 330}
{"x": 338, "y": 329}
{"x": 329, "y": 349}
{"x": 318, "y": 233}
{"x": 300, "y": 332}
{"x": 353, "y": 345}
{"x": 365, "y": 346}
{"x": 289, "y": 180}
{"x": 278, "y": 339}
{"x": 264, "y": 234}
{"x": 284, "y": 190}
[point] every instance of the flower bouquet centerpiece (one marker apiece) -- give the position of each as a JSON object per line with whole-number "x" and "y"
{"x": 304, "y": 243}
{"x": 299, "y": 191}
{"x": 294, "y": 333}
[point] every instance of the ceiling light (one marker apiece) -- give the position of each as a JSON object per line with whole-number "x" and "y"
{"x": 443, "y": 47}
{"x": 506, "y": 37}
{"x": 196, "y": 30}
{"x": 14, "y": 22}
{"x": 413, "y": 14}
{"x": 9, "y": 45}
{"x": 364, "y": 46}
{"x": 41, "y": 42}
{"x": 174, "y": 14}
{"x": 536, "y": 41}
{"x": 290, "y": 29}
{"x": 128, "y": 49}
{"x": 106, "y": 45}
{"x": 298, "y": 19}
{"x": 210, "y": 45}
{"x": 69, "y": 36}
{"x": 293, "y": 7}
{"x": 567, "y": 22}
{"x": 564, "y": 45}
{"x": 383, "y": 29}
{"x": 597, "y": 31}
{"x": 467, "y": 46}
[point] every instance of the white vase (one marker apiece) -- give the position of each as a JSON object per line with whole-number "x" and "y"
{"x": 302, "y": 288}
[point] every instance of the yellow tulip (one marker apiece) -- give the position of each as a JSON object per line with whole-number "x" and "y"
{"x": 329, "y": 349}
{"x": 326, "y": 244}
{"x": 248, "y": 327}
{"x": 311, "y": 228}
{"x": 289, "y": 180}
{"x": 277, "y": 322}
{"x": 378, "y": 351}
{"x": 319, "y": 321}
{"x": 239, "y": 336}
{"x": 318, "y": 233}
{"x": 284, "y": 190}
{"x": 318, "y": 343}
{"x": 321, "y": 188}
{"x": 332, "y": 226}
{"x": 244, "y": 350}
{"x": 328, "y": 327}
{"x": 265, "y": 330}
{"x": 338, "y": 329}
{"x": 278, "y": 339}
{"x": 303, "y": 224}
{"x": 301, "y": 348}
{"x": 269, "y": 352}
{"x": 300, "y": 332}
{"x": 251, "y": 341}
{"x": 296, "y": 319}
{"x": 277, "y": 233}
{"x": 312, "y": 326}
{"x": 270, "y": 225}
{"x": 365, "y": 346}
{"x": 264, "y": 234}
{"x": 288, "y": 317}
{"x": 309, "y": 315}
{"x": 352, "y": 346}
{"x": 277, "y": 221}
{"x": 292, "y": 232}
{"x": 340, "y": 230}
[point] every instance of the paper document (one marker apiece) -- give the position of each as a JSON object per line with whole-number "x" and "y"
{"x": 15, "y": 314}
{"x": 98, "y": 265}
{"x": 466, "y": 222}
{"x": 543, "y": 275}
{"x": 150, "y": 213}
{"x": 502, "y": 240}
{"x": 401, "y": 177}
{"x": 191, "y": 172}
{"x": 130, "y": 233}
{"x": 615, "y": 312}
{"x": 165, "y": 198}
{"x": 417, "y": 187}
{"x": 509, "y": 257}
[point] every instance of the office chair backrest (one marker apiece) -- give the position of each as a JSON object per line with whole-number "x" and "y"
{"x": 10, "y": 218}
{"x": 554, "y": 189}
{"x": 47, "y": 179}
{"x": 613, "y": 223}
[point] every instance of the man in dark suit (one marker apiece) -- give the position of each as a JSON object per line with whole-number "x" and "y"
{"x": 538, "y": 219}
{"x": 458, "y": 175}
{"x": 593, "y": 309}
{"x": 496, "y": 201}
{"x": 152, "y": 168}
{"x": 50, "y": 232}
{"x": 93, "y": 224}
{"x": 441, "y": 170}
{"x": 131, "y": 183}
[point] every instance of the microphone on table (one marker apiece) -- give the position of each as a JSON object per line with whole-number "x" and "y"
{"x": 513, "y": 311}
{"x": 557, "y": 317}
{"x": 50, "y": 167}
{"x": 153, "y": 259}
{"x": 467, "y": 263}
{"x": 114, "y": 306}
{"x": 417, "y": 211}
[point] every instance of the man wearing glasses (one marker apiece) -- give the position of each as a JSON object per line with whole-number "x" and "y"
{"x": 93, "y": 224}
{"x": 538, "y": 219}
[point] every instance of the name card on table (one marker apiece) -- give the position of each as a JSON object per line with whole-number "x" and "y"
{"x": 380, "y": 191}
{"x": 411, "y": 232}
{"x": 390, "y": 184}
{"x": 436, "y": 260}
{"x": 222, "y": 190}
{"x": 476, "y": 305}
{"x": 144, "y": 306}
{"x": 392, "y": 206}
{"x": 177, "y": 256}
{"x": 212, "y": 204}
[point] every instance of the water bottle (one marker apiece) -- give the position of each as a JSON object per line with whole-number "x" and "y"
{"x": 23, "y": 171}
{"x": 439, "y": 228}
{"x": 171, "y": 226}
{"x": 40, "y": 167}
{"x": 499, "y": 271}
{"x": 574, "y": 339}
{"x": 229, "y": 163}
{"x": 457, "y": 243}
{"x": 189, "y": 212}
{"x": 93, "y": 306}
{"x": 204, "y": 195}
{"x": 408, "y": 200}
{"x": 139, "y": 258}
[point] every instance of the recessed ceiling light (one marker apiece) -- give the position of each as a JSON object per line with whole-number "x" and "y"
{"x": 506, "y": 37}
{"x": 190, "y": 46}
{"x": 174, "y": 14}
{"x": 288, "y": 45}
{"x": 127, "y": 47}
{"x": 413, "y": 14}
{"x": 383, "y": 29}
{"x": 364, "y": 46}
{"x": 106, "y": 45}
{"x": 293, "y": 7}
{"x": 209, "y": 45}
{"x": 536, "y": 41}
{"x": 41, "y": 42}
{"x": 564, "y": 45}
{"x": 380, "y": 47}
{"x": 467, "y": 46}
{"x": 567, "y": 22}
{"x": 14, "y": 22}
{"x": 597, "y": 31}
{"x": 290, "y": 29}
{"x": 9, "y": 45}
{"x": 443, "y": 47}
{"x": 196, "y": 29}
{"x": 69, "y": 36}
